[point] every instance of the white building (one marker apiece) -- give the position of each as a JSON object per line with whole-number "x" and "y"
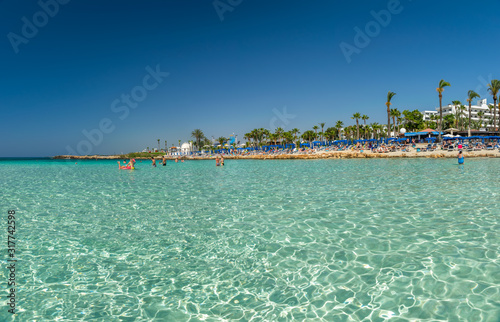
{"x": 482, "y": 106}
{"x": 427, "y": 114}
{"x": 186, "y": 147}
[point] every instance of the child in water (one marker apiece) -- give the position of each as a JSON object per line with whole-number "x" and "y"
{"x": 460, "y": 157}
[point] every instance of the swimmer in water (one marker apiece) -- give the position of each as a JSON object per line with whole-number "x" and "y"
{"x": 221, "y": 160}
{"x": 154, "y": 162}
{"x": 217, "y": 162}
{"x": 164, "y": 163}
{"x": 129, "y": 166}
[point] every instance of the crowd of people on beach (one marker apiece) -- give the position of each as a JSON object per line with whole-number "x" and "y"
{"x": 358, "y": 147}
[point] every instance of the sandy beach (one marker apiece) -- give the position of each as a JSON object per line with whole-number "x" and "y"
{"x": 349, "y": 154}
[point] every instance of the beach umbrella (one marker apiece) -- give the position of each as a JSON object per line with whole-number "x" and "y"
{"x": 451, "y": 130}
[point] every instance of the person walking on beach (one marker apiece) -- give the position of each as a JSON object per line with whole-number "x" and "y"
{"x": 460, "y": 157}
{"x": 154, "y": 162}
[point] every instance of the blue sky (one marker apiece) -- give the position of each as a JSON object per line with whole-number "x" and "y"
{"x": 262, "y": 60}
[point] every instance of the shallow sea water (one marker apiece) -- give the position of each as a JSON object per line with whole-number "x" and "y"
{"x": 332, "y": 240}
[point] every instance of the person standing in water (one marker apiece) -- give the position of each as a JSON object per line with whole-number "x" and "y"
{"x": 221, "y": 160}
{"x": 154, "y": 162}
{"x": 164, "y": 163}
{"x": 217, "y": 162}
{"x": 460, "y": 157}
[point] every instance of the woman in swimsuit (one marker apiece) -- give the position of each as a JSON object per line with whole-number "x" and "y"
{"x": 154, "y": 162}
{"x": 129, "y": 166}
{"x": 460, "y": 157}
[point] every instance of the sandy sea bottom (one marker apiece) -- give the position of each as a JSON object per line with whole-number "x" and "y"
{"x": 333, "y": 240}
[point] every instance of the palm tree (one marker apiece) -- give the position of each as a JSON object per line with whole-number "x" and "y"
{"x": 165, "y": 145}
{"x": 390, "y": 95}
{"x": 462, "y": 110}
{"x": 480, "y": 114}
{"x": 364, "y": 118}
{"x": 375, "y": 127}
{"x": 433, "y": 119}
{"x": 347, "y": 132}
{"x": 440, "y": 89}
{"x": 470, "y": 96}
{"x": 221, "y": 140}
{"x": 158, "y": 145}
{"x": 356, "y": 116}
{"x": 322, "y": 126}
{"x": 338, "y": 126}
{"x": 315, "y": 128}
{"x": 493, "y": 88}
{"x": 279, "y": 133}
{"x": 295, "y": 131}
{"x": 456, "y": 104}
{"x": 397, "y": 114}
{"x": 198, "y": 135}
{"x": 309, "y": 136}
{"x": 394, "y": 114}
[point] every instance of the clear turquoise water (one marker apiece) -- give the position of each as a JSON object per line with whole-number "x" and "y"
{"x": 336, "y": 240}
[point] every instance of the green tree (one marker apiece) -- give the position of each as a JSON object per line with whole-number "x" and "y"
{"x": 339, "y": 126}
{"x": 449, "y": 120}
{"x": 480, "y": 114}
{"x": 394, "y": 114}
{"x": 221, "y": 141}
{"x": 493, "y": 88}
{"x": 462, "y": 109}
{"x": 330, "y": 133}
{"x": 309, "y": 136}
{"x": 279, "y": 132}
{"x": 376, "y": 128}
{"x": 390, "y": 95}
{"x": 295, "y": 132}
{"x": 456, "y": 104}
{"x": 198, "y": 135}
{"x": 470, "y": 96}
{"x": 440, "y": 89}
{"x": 356, "y": 116}
{"x": 322, "y": 126}
{"x": 315, "y": 128}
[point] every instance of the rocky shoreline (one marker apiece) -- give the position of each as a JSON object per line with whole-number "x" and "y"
{"x": 315, "y": 155}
